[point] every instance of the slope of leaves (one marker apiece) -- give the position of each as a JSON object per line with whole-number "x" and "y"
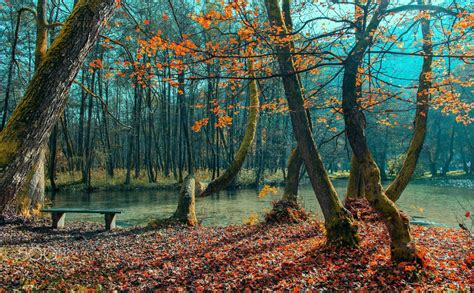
{"x": 233, "y": 257}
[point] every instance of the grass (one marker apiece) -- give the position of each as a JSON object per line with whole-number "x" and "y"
{"x": 100, "y": 181}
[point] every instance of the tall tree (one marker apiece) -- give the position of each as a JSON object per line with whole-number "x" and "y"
{"x": 402, "y": 247}
{"x": 395, "y": 189}
{"x": 46, "y": 95}
{"x": 340, "y": 226}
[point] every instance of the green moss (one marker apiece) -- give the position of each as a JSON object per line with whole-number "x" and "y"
{"x": 8, "y": 149}
{"x": 341, "y": 230}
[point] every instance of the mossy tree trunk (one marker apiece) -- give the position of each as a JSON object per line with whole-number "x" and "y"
{"x": 46, "y": 95}
{"x": 340, "y": 226}
{"x": 402, "y": 247}
{"x": 295, "y": 162}
{"x": 394, "y": 191}
{"x": 355, "y": 186}
{"x": 186, "y": 211}
{"x": 31, "y": 200}
{"x": 229, "y": 175}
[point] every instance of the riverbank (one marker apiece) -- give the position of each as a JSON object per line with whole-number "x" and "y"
{"x": 32, "y": 256}
{"x": 71, "y": 182}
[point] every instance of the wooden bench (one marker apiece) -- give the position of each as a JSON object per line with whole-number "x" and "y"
{"x": 58, "y": 215}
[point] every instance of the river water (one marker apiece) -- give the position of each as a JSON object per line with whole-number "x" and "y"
{"x": 442, "y": 201}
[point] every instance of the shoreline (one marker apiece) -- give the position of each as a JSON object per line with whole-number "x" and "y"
{"x": 175, "y": 186}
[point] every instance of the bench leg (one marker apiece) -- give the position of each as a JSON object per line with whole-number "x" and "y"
{"x": 58, "y": 220}
{"x": 110, "y": 221}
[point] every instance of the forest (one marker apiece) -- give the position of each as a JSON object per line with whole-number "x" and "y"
{"x": 236, "y": 145}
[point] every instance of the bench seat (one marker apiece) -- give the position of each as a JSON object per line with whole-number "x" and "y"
{"x": 58, "y": 215}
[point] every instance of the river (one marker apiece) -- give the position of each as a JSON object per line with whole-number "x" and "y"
{"x": 441, "y": 201}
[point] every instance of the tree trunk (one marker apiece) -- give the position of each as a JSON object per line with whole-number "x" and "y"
{"x": 223, "y": 181}
{"x": 402, "y": 247}
{"x": 340, "y": 226}
{"x": 52, "y": 159}
{"x": 295, "y": 162}
{"x": 35, "y": 188}
{"x": 185, "y": 212}
{"x": 288, "y": 209}
{"x": 394, "y": 191}
{"x": 355, "y": 186}
{"x": 451, "y": 152}
{"x": 46, "y": 95}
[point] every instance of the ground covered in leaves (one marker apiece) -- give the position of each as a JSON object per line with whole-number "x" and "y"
{"x": 234, "y": 257}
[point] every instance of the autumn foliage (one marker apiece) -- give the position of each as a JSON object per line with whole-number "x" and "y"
{"x": 234, "y": 257}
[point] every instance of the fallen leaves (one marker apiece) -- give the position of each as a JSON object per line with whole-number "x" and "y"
{"x": 270, "y": 257}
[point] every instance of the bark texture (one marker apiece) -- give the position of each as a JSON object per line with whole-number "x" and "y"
{"x": 186, "y": 212}
{"x": 229, "y": 175}
{"x": 46, "y": 95}
{"x": 295, "y": 161}
{"x": 340, "y": 226}
{"x": 36, "y": 188}
{"x": 355, "y": 187}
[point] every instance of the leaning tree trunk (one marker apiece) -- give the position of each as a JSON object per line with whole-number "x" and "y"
{"x": 295, "y": 162}
{"x": 46, "y": 95}
{"x": 186, "y": 212}
{"x": 229, "y": 175}
{"x": 340, "y": 226}
{"x": 394, "y": 191}
{"x": 288, "y": 209}
{"x": 402, "y": 247}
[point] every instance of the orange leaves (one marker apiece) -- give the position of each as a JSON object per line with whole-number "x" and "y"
{"x": 200, "y": 124}
{"x": 223, "y": 121}
{"x": 203, "y": 21}
{"x": 146, "y": 22}
{"x": 278, "y": 106}
{"x": 97, "y": 64}
{"x": 183, "y": 48}
{"x": 266, "y": 190}
{"x": 213, "y": 17}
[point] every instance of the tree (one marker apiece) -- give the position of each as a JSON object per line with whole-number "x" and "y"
{"x": 231, "y": 172}
{"x": 402, "y": 247}
{"x": 44, "y": 100}
{"x": 399, "y": 184}
{"x": 185, "y": 212}
{"x": 340, "y": 226}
